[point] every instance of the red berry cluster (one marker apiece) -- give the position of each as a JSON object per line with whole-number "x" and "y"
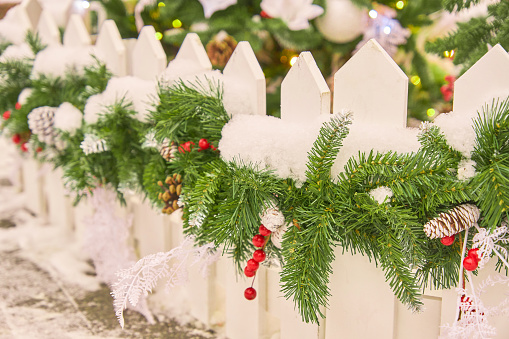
{"x": 7, "y": 114}
{"x": 471, "y": 261}
{"x": 448, "y": 90}
{"x": 253, "y": 264}
{"x": 203, "y": 144}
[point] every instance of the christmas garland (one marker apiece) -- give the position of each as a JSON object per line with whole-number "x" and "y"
{"x": 387, "y": 206}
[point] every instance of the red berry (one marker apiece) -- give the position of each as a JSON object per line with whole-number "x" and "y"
{"x": 203, "y": 144}
{"x": 248, "y": 272}
{"x": 448, "y": 241}
{"x": 258, "y": 240}
{"x": 17, "y": 106}
{"x": 7, "y": 115}
{"x": 252, "y": 264}
{"x": 24, "y": 147}
{"x": 264, "y": 231}
{"x": 16, "y": 138}
{"x": 264, "y": 14}
{"x": 450, "y": 78}
{"x": 186, "y": 147}
{"x": 259, "y": 255}
{"x": 250, "y": 293}
{"x": 470, "y": 263}
{"x": 473, "y": 253}
{"x": 38, "y": 149}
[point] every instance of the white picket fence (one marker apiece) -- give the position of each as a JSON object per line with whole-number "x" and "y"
{"x": 370, "y": 84}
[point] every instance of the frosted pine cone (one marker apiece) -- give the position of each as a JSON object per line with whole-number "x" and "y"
{"x": 41, "y": 123}
{"x": 92, "y": 144}
{"x": 277, "y": 236}
{"x": 456, "y": 220}
{"x": 168, "y": 151}
{"x": 272, "y": 218}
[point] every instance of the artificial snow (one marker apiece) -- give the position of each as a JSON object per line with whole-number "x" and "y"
{"x": 17, "y": 52}
{"x": 178, "y": 68}
{"x": 23, "y": 96}
{"x": 283, "y": 146}
{"x": 458, "y": 130}
{"x": 466, "y": 169}
{"x": 236, "y": 96}
{"x": 68, "y": 118}
{"x": 141, "y": 93}
{"x": 56, "y": 60}
{"x": 381, "y": 194}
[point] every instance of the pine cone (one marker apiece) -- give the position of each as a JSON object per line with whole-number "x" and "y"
{"x": 168, "y": 151}
{"x": 171, "y": 193}
{"x": 456, "y": 220}
{"x": 220, "y": 49}
{"x": 40, "y": 122}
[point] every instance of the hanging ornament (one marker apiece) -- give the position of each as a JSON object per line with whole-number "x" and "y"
{"x": 342, "y": 22}
{"x": 295, "y": 13}
{"x": 172, "y": 188}
{"x": 41, "y": 123}
{"x": 212, "y": 6}
{"x": 220, "y": 49}
{"x": 168, "y": 151}
{"x": 456, "y": 220}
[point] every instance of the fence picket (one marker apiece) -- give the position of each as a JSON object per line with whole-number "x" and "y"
{"x": 192, "y": 50}
{"x": 244, "y": 69}
{"x": 148, "y": 57}
{"x": 486, "y": 80}
{"x": 32, "y": 9}
{"x": 304, "y": 92}
{"x": 111, "y": 48}
{"x": 48, "y": 29}
{"x": 76, "y": 34}
{"x": 373, "y": 86}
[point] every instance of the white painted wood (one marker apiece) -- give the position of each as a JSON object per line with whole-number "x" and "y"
{"x": 81, "y": 212}
{"x": 111, "y": 48}
{"x": 148, "y": 57}
{"x": 59, "y": 9}
{"x": 423, "y": 325}
{"x": 129, "y": 48}
{"x": 76, "y": 34}
{"x": 149, "y": 228}
{"x": 304, "y": 92}
{"x": 362, "y": 303}
{"x": 60, "y": 211}
{"x": 33, "y": 10}
{"x": 486, "y": 80}
{"x": 373, "y": 87}
{"x": 48, "y": 29}
{"x": 95, "y": 6}
{"x": 244, "y": 68}
{"x": 33, "y": 183}
{"x": 192, "y": 50}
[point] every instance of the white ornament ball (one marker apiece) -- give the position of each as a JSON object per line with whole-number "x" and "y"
{"x": 272, "y": 219}
{"x": 277, "y": 236}
{"x": 342, "y": 21}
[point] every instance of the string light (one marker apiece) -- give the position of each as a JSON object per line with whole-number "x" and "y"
{"x": 373, "y": 14}
{"x": 431, "y": 112}
{"x": 387, "y": 30}
{"x": 283, "y": 59}
{"x": 85, "y": 4}
{"x": 400, "y": 4}
{"x": 159, "y": 35}
{"x": 449, "y": 54}
{"x": 415, "y": 80}
{"x": 161, "y": 4}
{"x": 176, "y": 23}
{"x": 293, "y": 60}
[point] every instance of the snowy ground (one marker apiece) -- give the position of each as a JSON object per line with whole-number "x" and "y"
{"x": 49, "y": 290}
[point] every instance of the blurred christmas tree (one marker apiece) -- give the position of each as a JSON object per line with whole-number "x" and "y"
{"x": 278, "y": 30}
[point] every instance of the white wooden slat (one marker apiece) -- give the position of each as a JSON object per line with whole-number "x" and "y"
{"x": 192, "y": 50}
{"x": 423, "y": 325}
{"x": 33, "y": 183}
{"x": 48, "y": 29}
{"x": 486, "y": 80}
{"x": 129, "y": 44}
{"x": 244, "y": 68}
{"x": 60, "y": 211}
{"x": 33, "y": 10}
{"x": 111, "y": 48}
{"x": 362, "y": 303}
{"x": 373, "y": 87}
{"x": 148, "y": 57}
{"x": 76, "y": 34}
{"x": 149, "y": 229}
{"x": 304, "y": 92}
{"x": 59, "y": 9}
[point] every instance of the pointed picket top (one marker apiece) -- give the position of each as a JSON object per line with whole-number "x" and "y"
{"x": 148, "y": 58}
{"x": 76, "y": 33}
{"x": 304, "y": 92}
{"x": 244, "y": 67}
{"x": 33, "y": 10}
{"x": 111, "y": 48}
{"x": 192, "y": 49}
{"x": 48, "y": 29}
{"x": 486, "y": 80}
{"x": 373, "y": 87}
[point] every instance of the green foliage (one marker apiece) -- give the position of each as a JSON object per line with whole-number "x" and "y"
{"x": 3, "y": 45}
{"x": 470, "y": 40}
{"x": 34, "y": 41}
{"x": 15, "y": 76}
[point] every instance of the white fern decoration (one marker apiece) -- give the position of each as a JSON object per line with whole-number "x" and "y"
{"x": 141, "y": 278}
